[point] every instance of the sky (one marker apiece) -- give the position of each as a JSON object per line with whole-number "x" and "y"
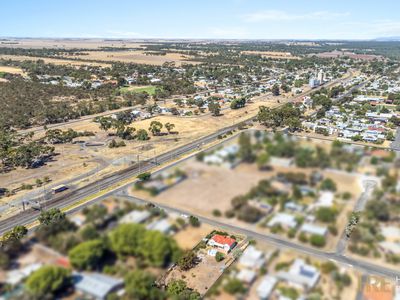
{"x": 211, "y": 19}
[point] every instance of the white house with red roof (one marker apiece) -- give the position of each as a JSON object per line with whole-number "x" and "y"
{"x": 223, "y": 242}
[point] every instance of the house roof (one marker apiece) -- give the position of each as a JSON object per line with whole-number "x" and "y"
{"x": 266, "y": 286}
{"x": 314, "y": 229}
{"x": 96, "y": 284}
{"x": 223, "y": 240}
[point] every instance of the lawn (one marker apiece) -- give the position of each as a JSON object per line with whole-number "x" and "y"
{"x": 150, "y": 89}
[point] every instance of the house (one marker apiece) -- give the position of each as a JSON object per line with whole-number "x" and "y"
{"x": 163, "y": 226}
{"x": 300, "y": 275}
{"x": 252, "y": 258}
{"x": 313, "y": 229}
{"x": 136, "y": 216}
{"x": 246, "y": 276}
{"x": 96, "y": 285}
{"x": 283, "y": 219}
{"x": 325, "y": 199}
{"x": 15, "y": 277}
{"x": 223, "y": 242}
{"x": 294, "y": 207}
{"x": 390, "y": 247}
{"x": 266, "y": 287}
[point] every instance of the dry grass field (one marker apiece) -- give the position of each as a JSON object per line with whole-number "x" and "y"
{"x": 55, "y": 61}
{"x": 138, "y": 57}
{"x": 70, "y": 43}
{"x": 272, "y": 54}
{"x": 11, "y": 70}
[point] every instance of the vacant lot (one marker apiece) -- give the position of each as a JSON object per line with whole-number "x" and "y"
{"x": 11, "y": 70}
{"x": 149, "y": 89}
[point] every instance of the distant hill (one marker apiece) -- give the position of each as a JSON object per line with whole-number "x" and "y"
{"x": 388, "y": 39}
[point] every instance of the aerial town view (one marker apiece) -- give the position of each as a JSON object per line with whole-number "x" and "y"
{"x": 184, "y": 150}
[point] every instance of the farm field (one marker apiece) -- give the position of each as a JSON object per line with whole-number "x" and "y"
{"x": 56, "y": 61}
{"x": 272, "y": 54}
{"x": 138, "y": 57}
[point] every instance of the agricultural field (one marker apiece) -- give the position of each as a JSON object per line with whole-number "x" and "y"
{"x": 138, "y": 57}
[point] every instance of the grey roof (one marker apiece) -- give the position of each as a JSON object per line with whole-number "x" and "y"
{"x": 95, "y": 284}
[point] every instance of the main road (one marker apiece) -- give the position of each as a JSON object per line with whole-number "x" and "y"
{"x": 66, "y": 200}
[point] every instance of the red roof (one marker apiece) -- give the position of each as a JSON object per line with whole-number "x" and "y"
{"x": 220, "y": 239}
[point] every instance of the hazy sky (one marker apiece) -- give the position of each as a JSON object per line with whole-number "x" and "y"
{"x": 242, "y": 19}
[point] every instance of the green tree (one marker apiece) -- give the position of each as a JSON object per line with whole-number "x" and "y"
{"x": 219, "y": 256}
{"x": 139, "y": 285}
{"x": 95, "y": 214}
{"x": 326, "y": 214}
{"x": 275, "y": 90}
{"x": 169, "y": 126}
{"x": 317, "y": 240}
{"x": 328, "y": 185}
{"x": 127, "y": 239}
{"x": 142, "y": 135}
{"x": 177, "y": 289}
{"x": 47, "y": 281}
{"x": 214, "y": 108}
{"x": 155, "y": 127}
{"x": 194, "y": 221}
{"x": 158, "y": 249}
{"x": 50, "y": 216}
{"x": 234, "y": 286}
{"x": 246, "y": 148}
{"x": 188, "y": 260}
{"x": 87, "y": 255}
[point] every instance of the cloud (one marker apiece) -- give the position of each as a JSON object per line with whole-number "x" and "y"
{"x": 280, "y": 15}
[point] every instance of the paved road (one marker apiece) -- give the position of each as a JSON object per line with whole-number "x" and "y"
{"x": 65, "y": 200}
{"x": 395, "y": 145}
{"x": 280, "y": 242}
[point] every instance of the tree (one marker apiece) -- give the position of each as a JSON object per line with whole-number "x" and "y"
{"x": 15, "y": 234}
{"x": 139, "y": 285}
{"x": 238, "y": 103}
{"x": 219, "y": 256}
{"x": 262, "y": 160}
{"x": 187, "y": 260}
{"x": 378, "y": 209}
{"x": 194, "y": 221}
{"x": 155, "y": 127}
{"x": 144, "y": 176}
{"x": 214, "y": 108}
{"x": 328, "y": 267}
{"x": 326, "y": 214}
{"x": 169, "y": 126}
{"x": 245, "y": 148}
{"x": 50, "y": 216}
{"x": 234, "y": 286}
{"x": 275, "y": 90}
{"x": 328, "y": 185}
{"x": 177, "y": 289}
{"x": 142, "y": 135}
{"x": 87, "y": 255}
{"x": 158, "y": 249}
{"x": 47, "y": 281}
{"x": 317, "y": 240}
{"x": 127, "y": 239}
{"x": 95, "y": 214}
